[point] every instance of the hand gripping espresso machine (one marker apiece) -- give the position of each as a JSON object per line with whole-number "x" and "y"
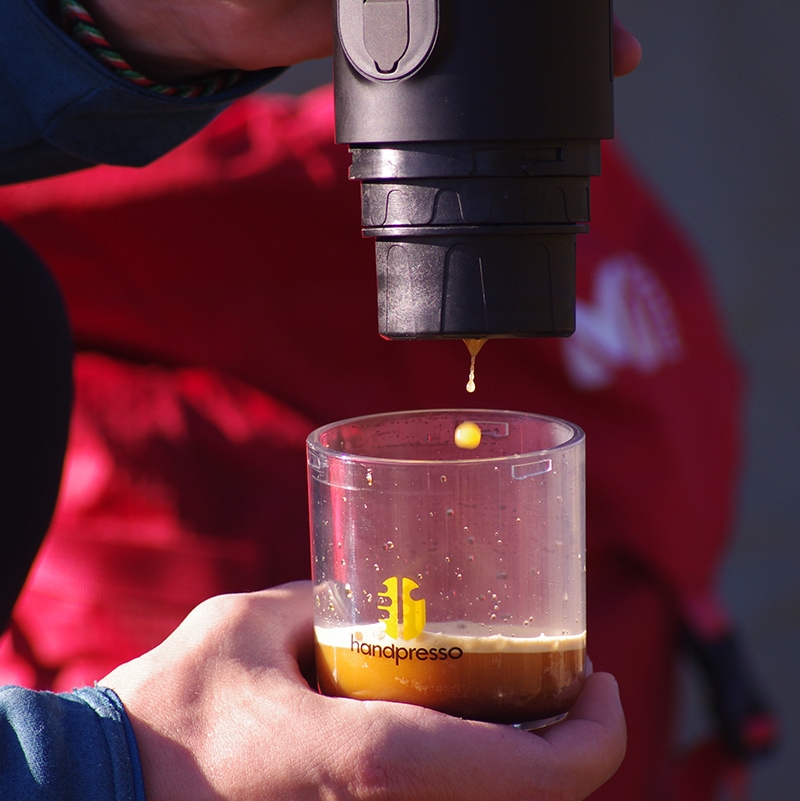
{"x": 474, "y": 126}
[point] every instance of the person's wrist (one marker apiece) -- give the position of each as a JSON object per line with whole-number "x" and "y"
{"x": 89, "y": 26}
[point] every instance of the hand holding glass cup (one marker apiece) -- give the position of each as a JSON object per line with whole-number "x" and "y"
{"x": 448, "y": 561}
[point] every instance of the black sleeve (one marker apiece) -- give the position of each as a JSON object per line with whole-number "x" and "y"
{"x": 35, "y": 406}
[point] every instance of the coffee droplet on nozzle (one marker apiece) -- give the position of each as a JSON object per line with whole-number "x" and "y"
{"x": 473, "y": 346}
{"x": 468, "y": 436}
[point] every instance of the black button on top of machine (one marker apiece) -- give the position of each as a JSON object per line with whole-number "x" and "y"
{"x": 386, "y": 32}
{"x": 387, "y": 40}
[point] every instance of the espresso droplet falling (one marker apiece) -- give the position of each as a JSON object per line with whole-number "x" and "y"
{"x": 473, "y": 346}
{"x": 467, "y": 435}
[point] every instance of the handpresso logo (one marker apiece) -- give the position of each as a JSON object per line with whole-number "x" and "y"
{"x": 406, "y": 620}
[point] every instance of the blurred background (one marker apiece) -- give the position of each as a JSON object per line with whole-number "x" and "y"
{"x": 712, "y": 119}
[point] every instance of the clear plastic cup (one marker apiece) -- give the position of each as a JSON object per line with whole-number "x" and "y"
{"x": 450, "y": 574}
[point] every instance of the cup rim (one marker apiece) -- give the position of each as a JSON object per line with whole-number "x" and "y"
{"x": 314, "y": 444}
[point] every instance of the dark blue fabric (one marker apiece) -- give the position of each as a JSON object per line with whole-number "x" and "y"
{"x": 35, "y": 405}
{"x": 75, "y": 746}
{"x": 60, "y": 110}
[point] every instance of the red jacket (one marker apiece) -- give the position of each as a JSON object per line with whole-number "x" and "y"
{"x": 223, "y": 302}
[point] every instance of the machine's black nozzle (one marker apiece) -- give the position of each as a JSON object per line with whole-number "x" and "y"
{"x": 474, "y": 127}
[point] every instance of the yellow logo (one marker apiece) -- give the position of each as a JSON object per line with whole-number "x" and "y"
{"x": 406, "y": 618}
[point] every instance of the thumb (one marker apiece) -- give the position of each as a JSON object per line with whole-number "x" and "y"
{"x": 627, "y": 50}
{"x": 292, "y": 613}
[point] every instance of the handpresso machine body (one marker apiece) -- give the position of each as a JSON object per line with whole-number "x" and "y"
{"x": 474, "y": 127}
